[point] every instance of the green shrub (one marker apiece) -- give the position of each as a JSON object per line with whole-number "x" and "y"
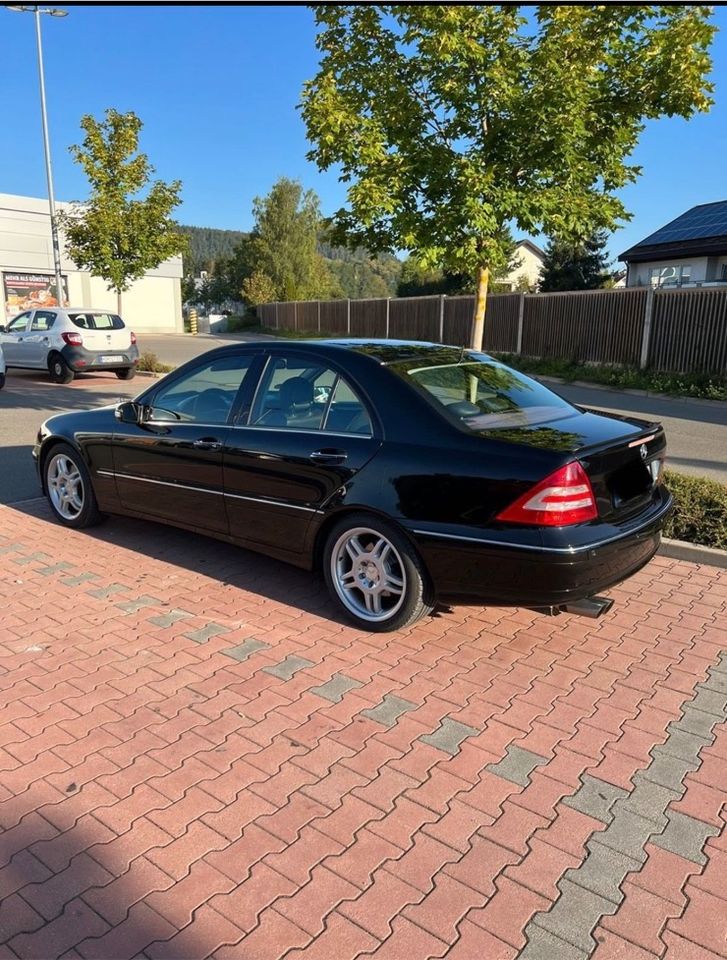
{"x": 700, "y": 385}
{"x": 151, "y": 363}
{"x": 700, "y": 513}
{"x": 236, "y": 323}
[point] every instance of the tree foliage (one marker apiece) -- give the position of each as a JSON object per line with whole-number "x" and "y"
{"x": 207, "y": 247}
{"x": 116, "y": 234}
{"x": 451, "y": 122}
{"x": 575, "y": 265}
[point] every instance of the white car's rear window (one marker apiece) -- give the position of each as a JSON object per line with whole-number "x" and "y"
{"x": 97, "y": 321}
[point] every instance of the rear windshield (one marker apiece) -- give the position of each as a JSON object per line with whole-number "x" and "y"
{"x": 484, "y": 395}
{"x": 97, "y": 321}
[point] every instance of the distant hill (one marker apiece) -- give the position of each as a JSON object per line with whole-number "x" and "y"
{"x": 206, "y": 245}
{"x": 359, "y": 275}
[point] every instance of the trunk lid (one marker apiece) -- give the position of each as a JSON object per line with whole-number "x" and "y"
{"x": 622, "y": 456}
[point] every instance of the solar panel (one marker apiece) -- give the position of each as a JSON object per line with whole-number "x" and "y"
{"x": 706, "y": 220}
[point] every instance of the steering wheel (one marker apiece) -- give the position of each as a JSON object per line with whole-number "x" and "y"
{"x": 214, "y": 403}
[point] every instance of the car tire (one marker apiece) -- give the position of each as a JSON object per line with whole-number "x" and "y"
{"x": 58, "y": 369}
{"x": 68, "y": 488}
{"x": 128, "y": 373}
{"x": 365, "y": 557}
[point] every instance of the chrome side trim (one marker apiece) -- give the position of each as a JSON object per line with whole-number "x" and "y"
{"x": 217, "y": 493}
{"x": 570, "y": 551}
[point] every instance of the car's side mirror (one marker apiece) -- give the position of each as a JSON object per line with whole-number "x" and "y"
{"x": 129, "y": 412}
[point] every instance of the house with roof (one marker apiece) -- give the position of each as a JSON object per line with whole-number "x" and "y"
{"x": 689, "y": 251}
{"x": 529, "y": 259}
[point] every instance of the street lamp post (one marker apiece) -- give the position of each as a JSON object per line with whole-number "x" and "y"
{"x": 35, "y": 9}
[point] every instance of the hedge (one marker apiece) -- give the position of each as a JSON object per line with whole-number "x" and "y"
{"x": 700, "y": 514}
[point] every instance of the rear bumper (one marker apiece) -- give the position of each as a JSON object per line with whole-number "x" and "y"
{"x": 538, "y": 574}
{"x": 80, "y": 359}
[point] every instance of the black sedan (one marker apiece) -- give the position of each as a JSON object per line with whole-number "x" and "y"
{"x": 406, "y": 472}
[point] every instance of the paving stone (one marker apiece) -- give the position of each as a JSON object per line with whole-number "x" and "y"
{"x": 685, "y": 836}
{"x": 628, "y": 833}
{"x": 649, "y": 799}
{"x": 543, "y": 945}
{"x": 389, "y": 710}
{"x": 603, "y": 871}
{"x": 206, "y": 632}
{"x": 517, "y": 765}
{"x": 168, "y": 619}
{"x": 595, "y": 798}
{"x": 668, "y": 770}
{"x": 289, "y": 667}
{"x": 699, "y": 721}
{"x": 133, "y": 606}
{"x": 29, "y": 558}
{"x": 336, "y": 687}
{"x": 710, "y": 702}
{"x": 681, "y": 743}
{"x": 716, "y": 684}
{"x": 79, "y": 579}
{"x": 449, "y": 736}
{"x": 243, "y": 650}
{"x": 54, "y": 568}
{"x": 102, "y": 593}
{"x": 574, "y": 915}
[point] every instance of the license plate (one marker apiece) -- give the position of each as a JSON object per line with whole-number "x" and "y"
{"x": 113, "y": 358}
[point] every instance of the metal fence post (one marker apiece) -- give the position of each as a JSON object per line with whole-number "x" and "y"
{"x": 646, "y": 332}
{"x": 388, "y": 306}
{"x": 348, "y": 316}
{"x": 295, "y": 314}
{"x": 441, "y": 318}
{"x": 277, "y": 324}
{"x": 520, "y": 316}
{"x": 319, "y": 316}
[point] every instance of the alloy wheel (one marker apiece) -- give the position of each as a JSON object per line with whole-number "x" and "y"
{"x": 368, "y": 574}
{"x": 65, "y": 486}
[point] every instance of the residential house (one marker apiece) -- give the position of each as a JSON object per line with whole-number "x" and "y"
{"x": 689, "y": 251}
{"x": 529, "y": 258}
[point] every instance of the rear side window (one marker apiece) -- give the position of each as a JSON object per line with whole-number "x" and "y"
{"x": 483, "y": 395}
{"x": 97, "y": 321}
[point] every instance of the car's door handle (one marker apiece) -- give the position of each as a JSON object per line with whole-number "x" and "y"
{"x": 328, "y": 455}
{"x": 207, "y": 443}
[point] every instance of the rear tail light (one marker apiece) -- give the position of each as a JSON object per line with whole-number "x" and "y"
{"x": 564, "y": 497}
{"x": 133, "y": 338}
{"x": 73, "y": 339}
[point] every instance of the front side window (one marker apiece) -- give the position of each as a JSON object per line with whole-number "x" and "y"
{"x": 203, "y": 395}
{"x": 484, "y": 395}
{"x": 19, "y": 324}
{"x": 43, "y": 320}
{"x": 301, "y": 394}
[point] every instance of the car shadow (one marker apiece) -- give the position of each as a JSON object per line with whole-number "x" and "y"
{"x": 36, "y": 393}
{"x": 230, "y": 565}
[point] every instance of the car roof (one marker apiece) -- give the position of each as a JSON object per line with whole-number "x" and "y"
{"x": 85, "y": 309}
{"x": 382, "y": 351}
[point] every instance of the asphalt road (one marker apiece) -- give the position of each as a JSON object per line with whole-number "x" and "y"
{"x": 696, "y": 430}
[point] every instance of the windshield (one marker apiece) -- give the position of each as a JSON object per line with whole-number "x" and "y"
{"x": 485, "y": 395}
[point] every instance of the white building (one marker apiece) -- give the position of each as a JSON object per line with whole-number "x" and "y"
{"x": 689, "y": 251}
{"x": 152, "y": 305}
{"x": 530, "y": 266}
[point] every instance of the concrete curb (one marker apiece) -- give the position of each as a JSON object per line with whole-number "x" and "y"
{"x": 693, "y": 552}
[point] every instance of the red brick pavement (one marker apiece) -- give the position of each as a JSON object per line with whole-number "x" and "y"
{"x": 163, "y": 795}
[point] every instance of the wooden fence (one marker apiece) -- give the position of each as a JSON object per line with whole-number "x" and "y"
{"x": 671, "y": 331}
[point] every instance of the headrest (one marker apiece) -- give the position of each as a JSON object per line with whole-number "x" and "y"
{"x": 296, "y": 392}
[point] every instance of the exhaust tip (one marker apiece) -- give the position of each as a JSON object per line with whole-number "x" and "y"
{"x": 593, "y": 607}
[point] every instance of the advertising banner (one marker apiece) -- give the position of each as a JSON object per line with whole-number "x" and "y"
{"x": 26, "y": 291}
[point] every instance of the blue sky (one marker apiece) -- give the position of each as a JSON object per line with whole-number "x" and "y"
{"x": 217, "y": 89}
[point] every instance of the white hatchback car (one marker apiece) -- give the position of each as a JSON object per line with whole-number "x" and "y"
{"x": 70, "y": 340}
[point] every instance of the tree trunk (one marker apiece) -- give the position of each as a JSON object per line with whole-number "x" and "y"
{"x": 478, "y": 319}
{"x": 118, "y": 302}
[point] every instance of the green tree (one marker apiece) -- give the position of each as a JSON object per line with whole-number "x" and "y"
{"x": 451, "y": 122}
{"x": 283, "y": 245}
{"x": 116, "y": 234}
{"x": 572, "y": 265}
{"x": 258, "y": 288}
